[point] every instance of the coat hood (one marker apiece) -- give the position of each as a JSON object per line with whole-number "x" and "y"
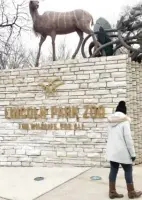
{"x": 117, "y": 118}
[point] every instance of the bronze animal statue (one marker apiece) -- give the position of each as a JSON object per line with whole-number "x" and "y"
{"x": 103, "y": 37}
{"x": 52, "y": 23}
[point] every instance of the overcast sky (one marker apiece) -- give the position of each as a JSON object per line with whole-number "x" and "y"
{"x": 109, "y": 9}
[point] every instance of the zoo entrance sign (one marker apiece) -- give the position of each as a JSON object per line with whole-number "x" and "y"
{"x": 54, "y": 112}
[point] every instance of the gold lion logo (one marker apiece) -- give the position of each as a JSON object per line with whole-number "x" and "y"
{"x": 52, "y": 85}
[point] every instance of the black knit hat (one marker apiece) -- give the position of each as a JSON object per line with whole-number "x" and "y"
{"x": 121, "y": 107}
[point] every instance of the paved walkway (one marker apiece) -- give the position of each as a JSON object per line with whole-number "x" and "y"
{"x": 60, "y": 183}
{"x": 82, "y": 188}
{"x": 19, "y": 183}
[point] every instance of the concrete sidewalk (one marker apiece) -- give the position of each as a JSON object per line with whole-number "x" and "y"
{"x": 82, "y": 188}
{"x": 60, "y": 183}
{"x": 19, "y": 183}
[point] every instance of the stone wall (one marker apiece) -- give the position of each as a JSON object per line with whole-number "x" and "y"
{"x": 99, "y": 81}
{"x": 134, "y": 101}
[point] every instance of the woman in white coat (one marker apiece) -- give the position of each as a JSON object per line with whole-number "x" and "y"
{"x": 120, "y": 151}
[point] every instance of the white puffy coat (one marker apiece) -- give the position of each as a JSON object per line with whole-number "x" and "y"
{"x": 120, "y": 147}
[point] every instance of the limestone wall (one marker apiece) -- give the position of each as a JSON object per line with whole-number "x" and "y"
{"x": 99, "y": 81}
{"x": 134, "y": 101}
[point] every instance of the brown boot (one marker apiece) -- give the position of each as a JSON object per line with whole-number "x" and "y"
{"x": 132, "y": 194}
{"x": 112, "y": 191}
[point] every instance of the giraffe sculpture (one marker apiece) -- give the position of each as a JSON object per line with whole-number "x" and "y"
{"x": 52, "y": 23}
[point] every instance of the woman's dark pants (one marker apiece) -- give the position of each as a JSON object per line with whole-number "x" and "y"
{"x": 114, "y": 171}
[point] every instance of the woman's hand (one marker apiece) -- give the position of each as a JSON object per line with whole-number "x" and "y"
{"x": 133, "y": 158}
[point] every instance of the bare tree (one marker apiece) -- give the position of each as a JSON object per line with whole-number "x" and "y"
{"x": 17, "y": 57}
{"x": 130, "y": 27}
{"x": 13, "y": 20}
{"x": 31, "y": 57}
{"x": 63, "y": 52}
